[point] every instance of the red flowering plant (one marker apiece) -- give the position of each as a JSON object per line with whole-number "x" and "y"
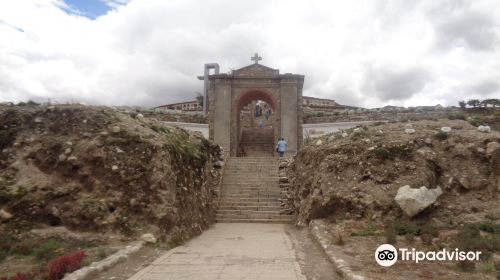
{"x": 65, "y": 264}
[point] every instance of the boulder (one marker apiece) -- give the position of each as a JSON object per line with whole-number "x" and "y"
{"x": 446, "y": 129}
{"x": 72, "y": 159}
{"x": 409, "y": 131}
{"x": 148, "y": 238}
{"x": 319, "y": 142}
{"x": 62, "y": 157}
{"x": 413, "y": 201}
{"x": 484, "y": 128}
{"x": 219, "y": 164}
{"x": 492, "y": 147}
{"x": 116, "y": 129}
{"x": 4, "y": 215}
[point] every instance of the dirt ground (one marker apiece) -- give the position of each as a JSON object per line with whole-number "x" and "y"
{"x": 99, "y": 171}
{"x": 351, "y": 179}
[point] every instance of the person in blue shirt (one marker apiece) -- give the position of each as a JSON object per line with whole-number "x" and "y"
{"x": 281, "y": 147}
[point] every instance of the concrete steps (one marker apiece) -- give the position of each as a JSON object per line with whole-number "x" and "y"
{"x": 258, "y": 142}
{"x": 251, "y": 192}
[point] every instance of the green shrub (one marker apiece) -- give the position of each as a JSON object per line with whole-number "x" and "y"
{"x": 101, "y": 254}
{"x": 489, "y": 227}
{"x": 47, "y": 250}
{"x": 441, "y": 135}
{"x": 402, "y": 228}
{"x": 470, "y": 239}
{"x": 29, "y": 103}
{"x": 384, "y": 153}
{"x": 369, "y": 230}
{"x": 477, "y": 121}
{"x": 457, "y": 117}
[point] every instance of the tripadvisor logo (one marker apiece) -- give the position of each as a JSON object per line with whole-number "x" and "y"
{"x": 387, "y": 255}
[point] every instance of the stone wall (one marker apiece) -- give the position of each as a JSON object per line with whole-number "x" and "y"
{"x": 311, "y": 119}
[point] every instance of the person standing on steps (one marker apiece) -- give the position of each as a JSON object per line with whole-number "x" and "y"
{"x": 281, "y": 147}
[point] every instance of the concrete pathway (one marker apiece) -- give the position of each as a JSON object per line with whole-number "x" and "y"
{"x": 229, "y": 251}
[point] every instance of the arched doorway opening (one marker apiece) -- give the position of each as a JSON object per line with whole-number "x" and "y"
{"x": 256, "y": 124}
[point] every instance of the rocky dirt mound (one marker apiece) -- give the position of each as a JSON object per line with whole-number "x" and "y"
{"x": 92, "y": 168}
{"x": 358, "y": 173}
{"x": 427, "y": 185}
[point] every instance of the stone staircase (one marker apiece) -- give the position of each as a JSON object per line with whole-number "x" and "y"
{"x": 258, "y": 142}
{"x": 251, "y": 192}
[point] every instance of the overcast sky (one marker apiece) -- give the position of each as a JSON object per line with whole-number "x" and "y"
{"x": 149, "y": 52}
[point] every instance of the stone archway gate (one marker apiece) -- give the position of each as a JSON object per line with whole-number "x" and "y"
{"x": 228, "y": 93}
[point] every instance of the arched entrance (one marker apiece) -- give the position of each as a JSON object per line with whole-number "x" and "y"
{"x": 234, "y": 97}
{"x": 256, "y": 124}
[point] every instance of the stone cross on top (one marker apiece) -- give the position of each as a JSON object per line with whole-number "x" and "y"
{"x": 256, "y": 58}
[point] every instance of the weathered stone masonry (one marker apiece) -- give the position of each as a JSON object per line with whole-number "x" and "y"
{"x": 228, "y": 93}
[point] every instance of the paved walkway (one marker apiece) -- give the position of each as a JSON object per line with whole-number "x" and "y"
{"x": 229, "y": 251}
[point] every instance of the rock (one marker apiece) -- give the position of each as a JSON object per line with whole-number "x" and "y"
{"x": 492, "y": 147}
{"x": 72, "y": 159}
{"x": 379, "y": 132}
{"x": 219, "y": 164}
{"x": 283, "y": 180}
{"x": 408, "y": 125}
{"x": 62, "y": 157}
{"x": 133, "y": 202}
{"x": 409, "y": 131}
{"x": 38, "y": 120}
{"x": 67, "y": 151}
{"x": 4, "y": 215}
{"x": 120, "y": 151}
{"x": 344, "y": 135}
{"x": 481, "y": 150}
{"x": 319, "y": 142}
{"x": 446, "y": 129}
{"x": 484, "y": 128}
{"x": 148, "y": 238}
{"x": 116, "y": 129}
{"x": 55, "y": 211}
{"x": 428, "y": 141}
{"x": 413, "y": 201}
{"x": 114, "y": 167}
{"x": 140, "y": 116}
{"x": 104, "y": 133}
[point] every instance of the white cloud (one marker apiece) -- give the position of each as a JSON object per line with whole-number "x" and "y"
{"x": 150, "y": 52}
